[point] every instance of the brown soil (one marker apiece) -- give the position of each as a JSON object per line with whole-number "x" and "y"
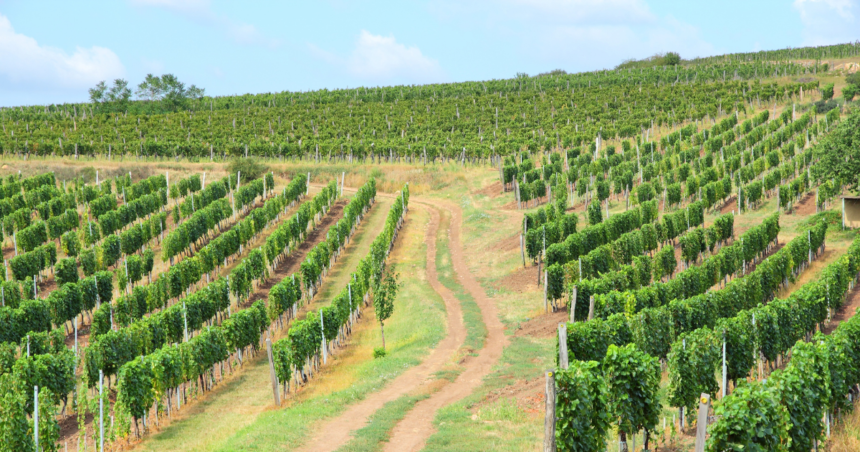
{"x": 528, "y": 394}
{"x": 292, "y": 262}
{"x": 493, "y": 190}
{"x": 338, "y": 431}
{"x": 522, "y": 280}
{"x": 846, "y": 312}
{"x": 806, "y": 206}
{"x": 543, "y": 326}
{"x": 730, "y": 206}
{"x": 509, "y": 244}
{"x": 412, "y": 431}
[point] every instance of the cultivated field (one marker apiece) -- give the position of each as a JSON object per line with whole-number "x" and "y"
{"x": 624, "y": 240}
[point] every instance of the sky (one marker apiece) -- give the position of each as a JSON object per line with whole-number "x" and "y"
{"x": 54, "y": 51}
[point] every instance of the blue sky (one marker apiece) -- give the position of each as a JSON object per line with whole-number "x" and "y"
{"x": 52, "y": 51}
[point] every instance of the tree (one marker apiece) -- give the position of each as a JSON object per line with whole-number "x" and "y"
{"x": 384, "y": 293}
{"x": 150, "y": 88}
{"x": 114, "y": 98}
{"x": 633, "y": 379}
{"x": 672, "y": 59}
{"x": 97, "y": 93}
{"x": 167, "y": 89}
{"x": 119, "y": 94}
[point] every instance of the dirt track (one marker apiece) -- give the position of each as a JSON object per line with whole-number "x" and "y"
{"x": 338, "y": 431}
{"x": 412, "y": 431}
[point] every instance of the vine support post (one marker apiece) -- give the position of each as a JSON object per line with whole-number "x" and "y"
{"x": 36, "y": 416}
{"x": 275, "y": 384}
{"x": 545, "y": 298}
{"x": 573, "y": 305}
{"x": 549, "y": 417}
{"x": 590, "y": 307}
{"x": 101, "y": 412}
{"x": 702, "y": 423}
{"x": 562, "y": 346}
{"x": 725, "y": 379}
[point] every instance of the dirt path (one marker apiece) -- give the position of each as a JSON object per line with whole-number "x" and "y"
{"x": 412, "y": 432}
{"x": 338, "y": 431}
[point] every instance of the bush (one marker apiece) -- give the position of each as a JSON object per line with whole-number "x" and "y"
{"x": 378, "y": 352}
{"x": 827, "y": 91}
{"x": 850, "y": 91}
{"x": 249, "y": 168}
{"x": 822, "y": 106}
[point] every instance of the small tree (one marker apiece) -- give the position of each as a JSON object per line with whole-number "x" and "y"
{"x": 633, "y": 379}
{"x": 384, "y": 293}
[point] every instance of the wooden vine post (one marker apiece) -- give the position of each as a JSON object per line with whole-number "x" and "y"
{"x": 275, "y": 384}
{"x": 549, "y": 417}
{"x": 702, "y": 423}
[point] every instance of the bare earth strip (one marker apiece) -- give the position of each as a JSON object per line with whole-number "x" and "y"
{"x": 412, "y": 432}
{"x": 338, "y": 431}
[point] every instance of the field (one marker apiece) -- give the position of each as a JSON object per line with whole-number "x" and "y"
{"x": 681, "y": 232}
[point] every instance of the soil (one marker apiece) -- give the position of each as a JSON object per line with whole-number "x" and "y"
{"x": 730, "y": 206}
{"x": 338, "y": 431}
{"x": 509, "y": 244}
{"x": 543, "y": 326}
{"x": 412, "y": 431}
{"x": 493, "y": 190}
{"x": 521, "y": 280}
{"x": 846, "y": 312}
{"x": 292, "y": 262}
{"x": 806, "y": 206}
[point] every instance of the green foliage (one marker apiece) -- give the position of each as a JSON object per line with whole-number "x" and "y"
{"x": 750, "y": 419}
{"x": 379, "y": 352}
{"x": 248, "y": 168}
{"x": 827, "y": 91}
{"x": 384, "y": 294}
{"x": 693, "y": 362}
{"x": 595, "y": 213}
{"x": 839, "y": 153}
{"x": 66, "y": 271}
{"x": 849, "y": 91}
{"x": 582, "y": 411}
{"x": 632, "y": 380}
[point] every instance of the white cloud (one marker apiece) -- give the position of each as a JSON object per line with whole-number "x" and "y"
{"x": 201, "y": 11}
{"x": 828, "y": 21}
{"x": 381, "y": 59}
{"x": 27, "y": 64}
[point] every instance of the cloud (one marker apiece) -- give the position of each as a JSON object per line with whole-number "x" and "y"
{"x": 200, "y": 11}
{"x": 26, "y": 64}
{"x": 828, "y": 21}
{"x": 381, "y": 59}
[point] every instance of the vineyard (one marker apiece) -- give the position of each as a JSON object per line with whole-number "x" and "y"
{"x": 643, "y": 258}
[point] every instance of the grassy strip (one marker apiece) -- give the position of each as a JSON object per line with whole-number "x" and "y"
{"x": 379, "y": 425}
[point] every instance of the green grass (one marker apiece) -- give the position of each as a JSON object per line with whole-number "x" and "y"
{"x": 476, "y": 331}
{"x": 379, "y": 425}
{"x": 416, "y": 325}
{"x": 501, "y": 425}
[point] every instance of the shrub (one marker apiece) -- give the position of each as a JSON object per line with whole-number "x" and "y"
{"x": 249, "y": 169}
